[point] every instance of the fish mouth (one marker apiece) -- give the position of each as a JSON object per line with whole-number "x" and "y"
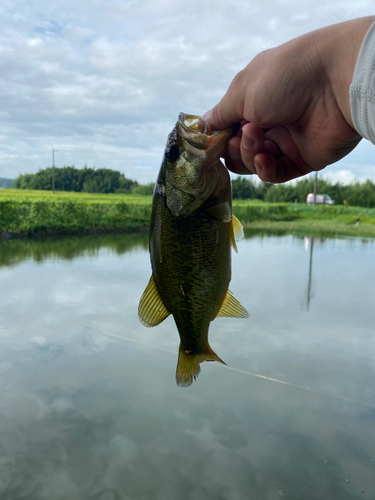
{"x": 204, "y": 144}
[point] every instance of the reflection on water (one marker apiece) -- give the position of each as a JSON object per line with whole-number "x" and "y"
{"x": 309, "y": 245}
{"x": 13, "y": 252}
{"x": 90, "y": 409}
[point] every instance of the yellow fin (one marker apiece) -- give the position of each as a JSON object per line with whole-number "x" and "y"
{"x": 231, "y": 236}
{"x": 232, "y": 308}
{"x": 237, "y": 228}
{"x": 188, "y": 367}
{"x": 235, "y": 232}
{"x": 151, "y": 309}
{"x": 221, "y": 212}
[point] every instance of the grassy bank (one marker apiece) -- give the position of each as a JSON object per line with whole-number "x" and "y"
{"x": 322, "y": 219}
{"x": 42, "y": 212}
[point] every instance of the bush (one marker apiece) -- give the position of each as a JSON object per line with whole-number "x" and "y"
{"x": 145, "y": 189}
{"x": 356, "y": 194}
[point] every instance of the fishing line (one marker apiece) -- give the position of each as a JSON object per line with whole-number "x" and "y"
{"x": 301, "y": 387}
{"x": 244, "y": 372}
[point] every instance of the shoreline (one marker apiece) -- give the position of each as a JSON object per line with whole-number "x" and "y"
{"x": 5, "y": 236}
{"x": 34, "y": 214}
{"x": 310, "y": 227}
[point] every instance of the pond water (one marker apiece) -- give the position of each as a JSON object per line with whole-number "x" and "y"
{"x": 89, "y": 407}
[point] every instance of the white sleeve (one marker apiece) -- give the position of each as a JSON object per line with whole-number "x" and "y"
{"x": 362, "y": 89}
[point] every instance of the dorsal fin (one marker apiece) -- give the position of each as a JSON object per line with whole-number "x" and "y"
{"x": 232, "y": 308}
{"x": 151, "y": 309}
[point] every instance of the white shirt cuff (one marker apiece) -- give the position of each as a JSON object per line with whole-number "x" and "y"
{"x": 362, "y": 89}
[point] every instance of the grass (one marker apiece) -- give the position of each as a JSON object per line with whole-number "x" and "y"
{"x": 30, "y": 213}
{"x": 30, "y": 195}
{"x": 322, "y": 219}
{"x": 311, "y": 227}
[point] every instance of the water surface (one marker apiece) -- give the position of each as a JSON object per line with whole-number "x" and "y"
{"x": 90, "y": 408}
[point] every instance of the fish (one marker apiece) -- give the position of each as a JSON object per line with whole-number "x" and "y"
{"x": 191, "y": 234}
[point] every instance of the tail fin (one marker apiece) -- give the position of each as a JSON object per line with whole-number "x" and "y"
{"x": 188, "y": 367}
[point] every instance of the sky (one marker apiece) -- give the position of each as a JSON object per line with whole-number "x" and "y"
{"x": 103, "y": 82}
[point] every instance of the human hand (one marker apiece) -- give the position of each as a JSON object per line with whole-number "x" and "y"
{"x": 293, "y": 104}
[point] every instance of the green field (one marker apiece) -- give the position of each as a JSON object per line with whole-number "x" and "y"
{"x": 321, "y": 219}
{"x": 25, "y": 194}
{"x": 32, "y": 213}
{"x": 28, "y": 213}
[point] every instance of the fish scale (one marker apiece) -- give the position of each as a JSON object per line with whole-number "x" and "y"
{"x": 199, "y": 262}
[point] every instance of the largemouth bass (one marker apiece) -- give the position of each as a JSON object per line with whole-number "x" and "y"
{"x": 192, "y": 230}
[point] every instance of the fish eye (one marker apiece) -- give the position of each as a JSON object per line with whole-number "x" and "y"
{"x": 172, "y": 153}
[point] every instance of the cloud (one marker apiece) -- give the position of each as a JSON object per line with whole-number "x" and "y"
{"x": 343, "y": 176}
{"x": 105, "y": 85}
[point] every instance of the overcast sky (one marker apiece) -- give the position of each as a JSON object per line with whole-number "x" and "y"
{"x": 103, "y": 82}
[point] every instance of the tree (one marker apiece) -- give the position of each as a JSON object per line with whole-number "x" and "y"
{"x": 90, "y": 180}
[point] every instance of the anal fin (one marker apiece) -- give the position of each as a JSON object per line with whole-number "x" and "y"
{"x": 232, "y": 308}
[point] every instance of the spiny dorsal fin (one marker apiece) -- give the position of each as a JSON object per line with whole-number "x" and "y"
{"x": 188, "y": 367}
{"x": 221, "y": 212}
{"x": 151, "y": 309}
{"x": 232, "y": 308}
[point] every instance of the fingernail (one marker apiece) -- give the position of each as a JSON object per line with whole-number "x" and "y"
{"x": 247, "y": 142}
{"x": 205, "y": 117}
{"x": 258, "y": 166}
{"x": 203, "y": 120}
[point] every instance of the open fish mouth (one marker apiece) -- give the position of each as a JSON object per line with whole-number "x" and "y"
{"x": 195, "y": 142}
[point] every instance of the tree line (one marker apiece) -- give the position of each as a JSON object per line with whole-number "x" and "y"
{"x": 355, "y": 194}
{"x": 104, "y": 180}
{"x": 88, "y": 180}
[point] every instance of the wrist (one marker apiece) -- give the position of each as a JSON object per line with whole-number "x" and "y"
{"x": 342, "y": 43}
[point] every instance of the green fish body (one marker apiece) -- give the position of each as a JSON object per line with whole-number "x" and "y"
{"x": 191, "y": 234}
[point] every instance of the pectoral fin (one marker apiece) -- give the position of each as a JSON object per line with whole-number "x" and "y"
{"x": 232, "y": 308}
{"x": 188, "y": 367}
{"x": 237, "y": 228}
{"x": 221, "y": 212}
{"x": 235, "y": 232}
{"x": 151, "y": 309}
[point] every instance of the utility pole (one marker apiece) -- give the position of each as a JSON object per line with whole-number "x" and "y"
{"x": 53, "y": 169}
{"x": 315, "y": 187}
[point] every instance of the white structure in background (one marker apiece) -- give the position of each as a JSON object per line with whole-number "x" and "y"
{"x": 323, "y": 199}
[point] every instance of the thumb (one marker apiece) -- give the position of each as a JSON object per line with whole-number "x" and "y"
{"x": 224, "y": 114}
